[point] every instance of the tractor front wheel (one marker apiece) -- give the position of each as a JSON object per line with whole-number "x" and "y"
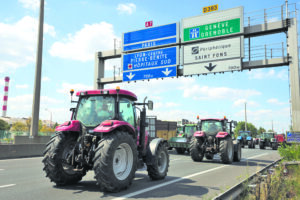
{"x": 226, "y": 150}
{"x": 261, "y": 145}
{"x": 160, "y": 163}
{"x": 115, "y": 161}
{"x": 196, "y": 149}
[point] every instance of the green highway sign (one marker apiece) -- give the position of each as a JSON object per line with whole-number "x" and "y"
{"x": 213, "y": 25}
{"x": 212, "y": 30}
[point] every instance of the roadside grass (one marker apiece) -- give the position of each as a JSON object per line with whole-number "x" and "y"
{"x": 281, "y": 182}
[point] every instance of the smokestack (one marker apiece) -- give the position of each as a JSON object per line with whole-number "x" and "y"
{"x": 5, "y": 97}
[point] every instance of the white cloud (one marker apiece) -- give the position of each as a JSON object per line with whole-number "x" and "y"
{"x": 275, "y": 101}
{"x": 171, "y": 104}
{"x": 18, "y": 42}
{"x": 267, "y": 74}
{"x": 45, "y": 79}
{"x": 217, "y": 93}
{"x": 30, "y": 4}
{"x": 128, "y": 8}
{"x": 24, "y": 86}
{"x": 85, "y": 43}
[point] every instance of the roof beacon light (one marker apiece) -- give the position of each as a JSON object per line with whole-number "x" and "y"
{"x": 71, "y": 92}
{"x": 224, "y": 117}
{"x": 118, "y": 88}
{"x": 197, "y": 116}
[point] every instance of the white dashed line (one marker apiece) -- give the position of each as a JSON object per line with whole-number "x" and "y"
{"x": 5, "y": 186}
{"x": 164, "y": 184}
{"x": 177, "y": 180}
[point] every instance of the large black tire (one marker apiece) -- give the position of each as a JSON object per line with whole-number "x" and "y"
{"x": 261, "y": 145}
{"x": 195, "y": 151}
{"x": 180, "y": 150}
{"x": 274, "y": 146}
{"x": 55, "y": 155}
{"x": 209, "y": 156}
{"x": 237, "y": 152}
{"x": 115, "y": 161}
{"x": 160, "y": 163}
{"x": 250, "y": 144}
{"x": 226, "y": 150}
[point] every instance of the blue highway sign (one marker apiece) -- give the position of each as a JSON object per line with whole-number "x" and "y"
{"x": 151, "y": 37}
{"x": 150, "y": 59}
{"x": 158, "y": 63}
{"x": 162, "y": 72}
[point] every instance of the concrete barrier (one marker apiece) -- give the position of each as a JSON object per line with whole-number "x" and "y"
{"x": 21, "y": 150}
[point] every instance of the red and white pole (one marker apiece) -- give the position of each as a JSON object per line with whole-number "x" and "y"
{"x": 5, "y": 98}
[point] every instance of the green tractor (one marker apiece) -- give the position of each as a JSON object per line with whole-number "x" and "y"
{"x": 182, "y": 141}
{"x": 268, "y": 140}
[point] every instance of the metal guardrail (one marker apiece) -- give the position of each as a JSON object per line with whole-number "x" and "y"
{"x": 235, "y": 191}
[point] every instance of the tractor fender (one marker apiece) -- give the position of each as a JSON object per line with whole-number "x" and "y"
{"x": 199, "y": 134}
{"x": 152, "y": 148}
{"x": 222, "y": 135}
{"x": 70, "y": 126}
{"x": 249, "y": 138}
{"x": 239, "y": 137}
{"x": 110, "y": 125}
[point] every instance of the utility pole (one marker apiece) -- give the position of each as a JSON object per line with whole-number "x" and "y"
{"x": 272, "y": 126}
{"x": 38, "y": 72}
{"x": 245, "y": 116}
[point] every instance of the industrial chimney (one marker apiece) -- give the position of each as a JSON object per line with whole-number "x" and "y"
{"x": 5, "y": 97}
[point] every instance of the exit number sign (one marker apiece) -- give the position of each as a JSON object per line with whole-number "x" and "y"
{"x": 210, "y": 8}
{"x": 148, "y": 24}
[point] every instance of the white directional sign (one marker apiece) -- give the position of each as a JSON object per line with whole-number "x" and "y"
{"x": 212, "y": 51}
{"x": 212, "y": 67}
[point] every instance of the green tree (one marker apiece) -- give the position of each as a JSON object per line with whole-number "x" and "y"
{"x": 55, "y": 125}
{"x": 261, "y": 130}
{"x": 4, "y": 126}
{"x": 19, "y": 126}
{"x": 28, "y": 124}
{"x": 241, "y": 127}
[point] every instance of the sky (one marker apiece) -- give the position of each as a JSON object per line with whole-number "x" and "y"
{"x": 74, "y": 30}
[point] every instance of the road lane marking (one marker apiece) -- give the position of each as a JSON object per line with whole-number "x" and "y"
{"x": 4, "y": 186}
{"x": 1, "y": 169}
{"x": 177, "y": 180}
{"x": 165, "y": 184}
{"x": 21, "y": 159}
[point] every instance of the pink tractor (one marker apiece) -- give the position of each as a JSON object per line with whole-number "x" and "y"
{"x": 105, "y": 135}
{"x": 215, "y": 136}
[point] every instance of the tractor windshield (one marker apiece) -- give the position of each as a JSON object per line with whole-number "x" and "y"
{"x": 268, "y": 135}
{"x": 244, "y": 134}
{"x": 179, "y": 129}
{"x": 92, "y": 110}
{"x": 190, "y": 130}
{"x": 211, "y": 127}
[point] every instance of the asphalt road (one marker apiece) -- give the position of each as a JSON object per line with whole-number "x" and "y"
{"x": 25, "y": 179}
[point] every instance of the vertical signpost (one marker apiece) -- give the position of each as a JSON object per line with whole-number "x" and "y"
{"x": 150, "y": 53}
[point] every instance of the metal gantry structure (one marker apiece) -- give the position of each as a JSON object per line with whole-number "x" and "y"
{"x": 279, "y": 21}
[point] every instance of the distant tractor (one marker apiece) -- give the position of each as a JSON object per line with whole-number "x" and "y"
{"x": 245, "y": 139}
{"x": 182, "y": 140}
{"x": 104, "y": 135}
{"x": 215, "y": 136}
{"x": 280, "y": 139}
{"x": 268, "y": 140}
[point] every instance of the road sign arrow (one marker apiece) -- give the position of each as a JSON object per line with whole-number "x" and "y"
{"x": 210, "y": 67}
{"x": 130, "y": 76}
{"x": 167, "y": 72}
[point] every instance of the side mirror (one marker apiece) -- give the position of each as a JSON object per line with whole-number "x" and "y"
{"x": 150, "y": 105}
{"x": 235, "y": 123}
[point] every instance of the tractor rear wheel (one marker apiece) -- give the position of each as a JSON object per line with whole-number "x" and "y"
{"x": 196, "y": 149}
{"x": 180, "y": 150}
{"x": 226, "y": 150}
{"x": 249, "y": 144}
{"x": 56, "y": 154}
{"x": 261, "y": 145}
{"x": 115, "y": 161}
{"x": 160, "y": 163}
{"x": 237, "y": 152}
